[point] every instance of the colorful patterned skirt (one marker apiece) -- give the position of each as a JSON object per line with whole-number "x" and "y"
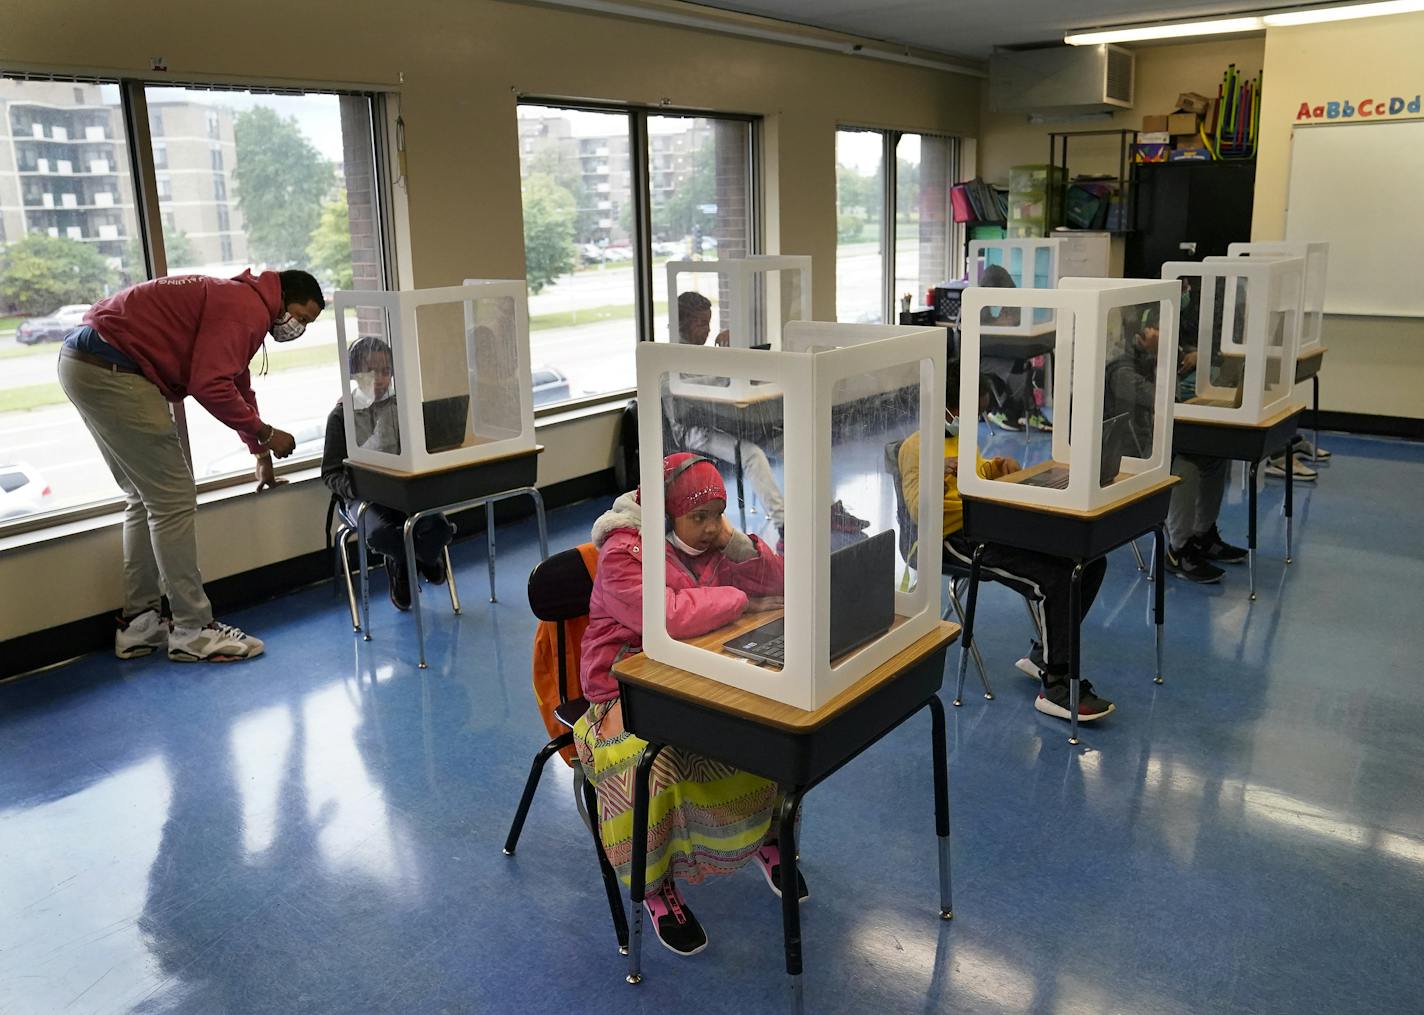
{"x": 704, "y": 817}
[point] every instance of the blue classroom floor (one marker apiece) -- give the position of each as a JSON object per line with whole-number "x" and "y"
{"x": 320, "y": 830}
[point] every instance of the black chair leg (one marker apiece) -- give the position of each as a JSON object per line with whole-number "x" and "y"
{"x": 610, "y": 879}
{"x": 531, "y": 784}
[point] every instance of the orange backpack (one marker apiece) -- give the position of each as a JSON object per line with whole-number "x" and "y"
{"x": 546, "y": 661}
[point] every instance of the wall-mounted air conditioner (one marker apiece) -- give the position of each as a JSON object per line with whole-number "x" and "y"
{"x": 1062, "y": 80}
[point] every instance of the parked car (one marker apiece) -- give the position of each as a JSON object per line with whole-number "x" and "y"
{"x": 23, "y": 491}
{"x": 52, "y": 327}
{"x": 550, "y": 385}
{"x": 310, "y": 437}
{"x": 614, "y": 254}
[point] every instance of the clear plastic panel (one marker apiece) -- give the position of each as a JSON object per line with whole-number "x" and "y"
{"x": 1212, "y": 357}
{"x": 776, "y": 300}
{"x": 373, "y": 406}
{"x": 700, "y": 312}
{"x": 444, "y": 376}
{"x": 1129, "y": 388}
{"x": 492, "y": 331}
{"x": 873, "y": 526}
{"x": 724, "y": 519}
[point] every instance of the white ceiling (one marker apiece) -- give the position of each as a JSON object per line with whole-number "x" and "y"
{"x": 972, "y": 28}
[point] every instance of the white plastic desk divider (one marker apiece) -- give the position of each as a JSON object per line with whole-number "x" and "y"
{"x": 1249, "y": 313}
{"x": 824, "y": 461}
{"x": 1032, "y": 264}
{"x": 458, "y": 349}
{"x": 1087, "y": 312}
{"x": 1317, "y": 264}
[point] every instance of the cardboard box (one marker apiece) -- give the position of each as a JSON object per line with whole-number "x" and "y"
{"x": 1194, "y": 154}
{"x": 1182, "y": 123}
{"x": 1154, "y": 124}
{"x": 1193, "y": 102}
{"x": 1155, "y": 137}
{"x": 1149, "y": 153}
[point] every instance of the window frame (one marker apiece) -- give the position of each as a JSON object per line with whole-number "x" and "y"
{"x": 639, "y": 156}
{"x": 889, "y": 141}
{"x": 133, "y": 109}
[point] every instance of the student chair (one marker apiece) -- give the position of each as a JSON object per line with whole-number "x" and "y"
{"x": 559, "y": 591}
{"x": 345, "y": 533}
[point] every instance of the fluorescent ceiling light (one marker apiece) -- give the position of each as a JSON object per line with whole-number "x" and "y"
{"x": 1312, "y": 16}
{"x": 1169, "y": 30}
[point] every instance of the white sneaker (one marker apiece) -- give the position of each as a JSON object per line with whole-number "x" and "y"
{"x": 1028, "y": 668}
{"x": 1307, "y": 450}
{"x": 1276, "y": 468}
{"x": 216, "y": 643}
{"x": 141, "y": 635}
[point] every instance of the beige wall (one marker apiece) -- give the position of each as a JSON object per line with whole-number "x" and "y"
{"x": 464, "y": 65}
{"x": 1375, "y": 364}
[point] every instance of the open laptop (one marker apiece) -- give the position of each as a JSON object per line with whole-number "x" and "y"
{"x": 1115, "y": 433}
{"x": 862, "y": 603}
{"x": 445, "y": 422}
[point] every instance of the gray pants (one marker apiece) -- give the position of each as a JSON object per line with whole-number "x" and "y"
{"x": 1196, "y": 500}
{"x": 720, "y": 444}
{"x": 133, "y": 426}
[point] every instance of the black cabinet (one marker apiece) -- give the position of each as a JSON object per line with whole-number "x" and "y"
{"x": 1203, "y": 203}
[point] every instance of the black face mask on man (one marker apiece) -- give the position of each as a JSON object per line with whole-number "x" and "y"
{"x": 286, "y": 328}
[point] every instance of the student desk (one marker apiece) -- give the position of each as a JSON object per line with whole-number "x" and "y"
{"x": 1080, "y": 536}
{"x": 1250, "y": 443}
{"x": 1307, "y": 368}
{"x": 667, "y": 706}
{"x": 739, "y": 411}
{"x": 442, "y": 490}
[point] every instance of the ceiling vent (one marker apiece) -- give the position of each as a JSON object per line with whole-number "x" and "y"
{"x": 1063, "y": 80}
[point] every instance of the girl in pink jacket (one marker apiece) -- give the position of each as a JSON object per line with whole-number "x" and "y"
{"x": 705, "y": 818}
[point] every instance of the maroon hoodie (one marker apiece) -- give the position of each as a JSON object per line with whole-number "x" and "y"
{"x": 195, "y": 335}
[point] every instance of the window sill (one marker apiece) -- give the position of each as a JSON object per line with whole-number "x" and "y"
{"x": 64, "y": 529}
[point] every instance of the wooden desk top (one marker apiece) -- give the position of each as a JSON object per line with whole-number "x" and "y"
{"x": 735, "y": 401}
{"x": 1315, "y": 353}
{"x": 643, "y": 672}
{"x": 537, "y": 449}
{"x": 1098, "y": 512}
{"x": 1290, "y": 409}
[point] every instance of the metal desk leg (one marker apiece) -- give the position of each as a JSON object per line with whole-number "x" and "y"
{"x": 1159, "y": 600}
{"x": 1141, "y": 564}
{"x": 489, "y": 543}
{"x": 1075, "y": 634}
{"x": 408, "y": 530}
{"x": 365, "y": 574}
{"x": 1251, "y": 524}
{"x": 968, "y": 636}
{"x": 1290, "y": 492}
{"x": 790, "y": 903}
{"x": 450, "y": 579}
{"x": 741, "y": 495}
{"x": 638, "y": 870}
{"x": 1315, "y": 417}
{"x": 941, "y": 804}
{"x": 538, "y": 499}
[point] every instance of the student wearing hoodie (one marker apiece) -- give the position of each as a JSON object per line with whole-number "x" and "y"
{"x": 138, "y": 351}
{"x": 377, "y": 428}
{"x": 705, "y": 818}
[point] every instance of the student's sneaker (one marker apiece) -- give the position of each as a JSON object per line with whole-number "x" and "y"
{"x": 1276, "y": 468}
{"x": 216, "y": 643}
{"x": 1211, "y": 546}
{"x": 1002, "y": 421}
{"x": 397, "y": 583}
{"x": 1054, "y": 698}
{"x": 769, "y": 859}
{"x": 843, "y": 521}
{"x": 673, "y": 922}
{"x": 433, "y": 571}
{"x": 1186, "y": 562}
{"x": 141, "y": 635}
{"x": 1038, "y": 421}
{"x": 1308, "y": 450}
{"x": 1032, "y": 664}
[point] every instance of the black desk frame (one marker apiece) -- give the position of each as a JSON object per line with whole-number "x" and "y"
{"x": 1079, "y": 538}
{"x": 796, "y": 761}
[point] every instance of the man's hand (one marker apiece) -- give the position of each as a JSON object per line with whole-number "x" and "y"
{"x": 281, "y": 443}
{"x": 951, "y": 468}
{"x": 1189, "y": 363}
{"x": 1008, "y": 465}
{"x": 266, "y": 480}
{"x": 724, "y": 338}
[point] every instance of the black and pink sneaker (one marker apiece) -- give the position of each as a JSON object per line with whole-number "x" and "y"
{"x": 673, "y": 922}
{"x": 769, "y": 858}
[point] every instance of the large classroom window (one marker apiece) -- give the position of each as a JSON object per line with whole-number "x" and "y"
{"x": 610, "y": 196}
{"x": 894, "y": 232}
{"x": 243, "y": 180}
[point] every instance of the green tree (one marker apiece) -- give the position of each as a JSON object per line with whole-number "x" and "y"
{"x": 281, "y": 182}
{"x": 178, "y": 253}
{"x": 549, "y": 214}
{"x": 40, "y": 273}
{"x": 683, "y": 209}
{"x": 857, "y": 190}
{"x": 329, "y": 252}
{"x": 561, "y": 162}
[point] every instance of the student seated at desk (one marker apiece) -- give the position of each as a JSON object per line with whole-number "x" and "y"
{"x": 1036, "y": 576}
{"x": 1012, "y": 413}
{"x": 377, "y": 429}
{"x": 704, "y": 818}
{"x": 694, "y": 324}
{"x": 1194, "y": 545}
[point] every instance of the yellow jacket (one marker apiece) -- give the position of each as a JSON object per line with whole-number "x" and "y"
{"x": 910, "y": 479}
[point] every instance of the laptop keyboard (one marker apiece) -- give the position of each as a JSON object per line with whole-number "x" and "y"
{"x": 774, "y": 648}
{"x": 1051, "y": 480}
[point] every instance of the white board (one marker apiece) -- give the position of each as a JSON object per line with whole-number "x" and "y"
{"x": 1357, "y": 185}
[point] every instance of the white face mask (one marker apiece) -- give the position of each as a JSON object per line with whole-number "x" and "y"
{"x": 951, "y": 424}
{"x": 363, "y": 390}
{"x": 286, "y": 328}
{"x": 677, "y": 542}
